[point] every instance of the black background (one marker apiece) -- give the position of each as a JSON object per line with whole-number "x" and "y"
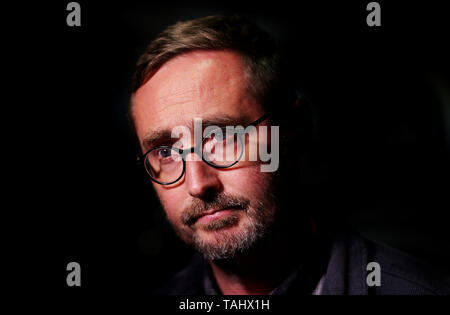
{"x": 380, "y": 161}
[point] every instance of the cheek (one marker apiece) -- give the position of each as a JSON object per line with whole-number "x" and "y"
{"x": 248, "y": 181}
{"x": 172, "y": 201}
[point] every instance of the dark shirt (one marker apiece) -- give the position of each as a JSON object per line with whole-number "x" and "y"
{"x": 345, "y": 274}
{"x": 289, "y": 284}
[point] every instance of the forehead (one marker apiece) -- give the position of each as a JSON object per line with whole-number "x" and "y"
{"x": 201, "y": 84}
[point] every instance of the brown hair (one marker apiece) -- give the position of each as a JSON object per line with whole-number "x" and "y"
{"x": 257, "y": 49}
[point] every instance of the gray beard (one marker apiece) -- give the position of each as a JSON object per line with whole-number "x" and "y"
{"x": 227, "y": 245}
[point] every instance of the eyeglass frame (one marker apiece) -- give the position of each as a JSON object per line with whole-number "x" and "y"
{"x": 194, "y": 149}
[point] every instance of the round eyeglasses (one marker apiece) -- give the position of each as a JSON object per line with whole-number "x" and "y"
{"x": 220, "y": 148}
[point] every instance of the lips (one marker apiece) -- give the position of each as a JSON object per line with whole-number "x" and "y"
{"x": 209, "y": 212}
{"x": 213, "y": 214}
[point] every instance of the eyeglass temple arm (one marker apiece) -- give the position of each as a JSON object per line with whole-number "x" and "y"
{"x": 259, "y": 120}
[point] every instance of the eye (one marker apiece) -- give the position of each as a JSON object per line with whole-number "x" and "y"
{"x": 164, "y": 153}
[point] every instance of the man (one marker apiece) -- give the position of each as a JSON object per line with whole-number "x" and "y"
{"x": 252, "y": 235}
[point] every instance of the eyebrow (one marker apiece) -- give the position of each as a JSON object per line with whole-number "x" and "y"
{"x": 163, "y": 136}
{"x": 155, "y": 138}
{"x": 226, "y": 121}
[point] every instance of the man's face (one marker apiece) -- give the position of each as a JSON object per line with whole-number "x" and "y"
{"x": 219, "y": 211}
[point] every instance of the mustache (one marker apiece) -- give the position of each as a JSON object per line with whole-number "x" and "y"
{"x": 191, "y": 213}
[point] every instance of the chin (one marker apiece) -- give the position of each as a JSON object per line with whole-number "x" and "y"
{"x": 217, "y": 235}
{"x": 226, "y": 242}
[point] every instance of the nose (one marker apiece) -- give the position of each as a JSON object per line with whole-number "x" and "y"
{"x": 202, "y": 180}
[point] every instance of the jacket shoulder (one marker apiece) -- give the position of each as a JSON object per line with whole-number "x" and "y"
{"x": 404, "y": 274}
{"x": 400, "y": 273}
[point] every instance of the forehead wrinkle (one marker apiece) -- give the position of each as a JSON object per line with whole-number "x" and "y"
{"x": 201, "y": 88}
{"x": 176, "y": 98}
